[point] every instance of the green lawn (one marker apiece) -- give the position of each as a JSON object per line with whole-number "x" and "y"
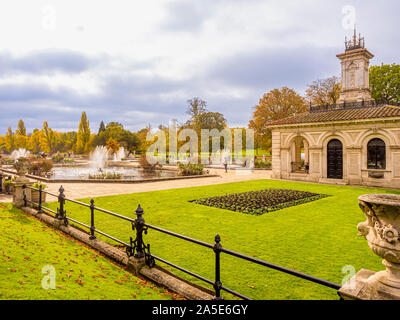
{"x": 27, "y": 245}
{"x": 318, "y": 238}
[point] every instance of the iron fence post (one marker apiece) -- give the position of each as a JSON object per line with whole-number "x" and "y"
{"x": 61, "y": 214}
{"x": 139, "y": 226}
{"x": 92, "y": 236}
{"x": 217, "y": 284}
{"x": 40, "y": 199}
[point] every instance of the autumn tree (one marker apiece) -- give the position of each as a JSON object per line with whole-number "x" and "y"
{"x": 112, "y": 145}
{"x": 9, "y": 140}
{"x": 21, "y": 140}
{"x": 385, "y": 83}
{"x": 195, "y": 107}
{"x": 142, "y": 135}
{"x": 83, "y": 137}
{"x": 2, "y": 145}
{"x": 274, "y": 105}
{"x": 47, "y": 138}
{"x": 21, "y": 128}
{"x": 34, "y": 141}
{"x": 324, "y": 91}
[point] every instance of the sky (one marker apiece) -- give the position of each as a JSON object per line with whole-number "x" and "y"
{"x": 138, "y": 62}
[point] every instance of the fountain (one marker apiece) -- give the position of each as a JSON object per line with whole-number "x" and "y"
{"x": 100, "y": 168}
{"x": 20, "y": 153}
{"x": 120, "y": 154}
{"x": 99, "y": 157}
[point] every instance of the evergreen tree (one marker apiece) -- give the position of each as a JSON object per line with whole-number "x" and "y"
{"x": 102, "y": 127}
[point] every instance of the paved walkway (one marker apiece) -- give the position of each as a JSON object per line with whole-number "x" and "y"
{"x": 5, "y": 198}
{"x": 88, "y": 190}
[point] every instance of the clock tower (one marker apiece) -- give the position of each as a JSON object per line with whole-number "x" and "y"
{"x": 355, "y": 71}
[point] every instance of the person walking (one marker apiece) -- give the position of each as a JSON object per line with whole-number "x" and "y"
{"x": 225, "y": 159}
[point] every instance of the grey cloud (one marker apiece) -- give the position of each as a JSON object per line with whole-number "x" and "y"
{"x": 47, "y": 62}
{"x": 135, "y": 100}
{"x": 185, "y": 16}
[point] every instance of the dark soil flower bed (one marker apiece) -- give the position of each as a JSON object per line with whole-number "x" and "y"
{"x": 260, "y": 202}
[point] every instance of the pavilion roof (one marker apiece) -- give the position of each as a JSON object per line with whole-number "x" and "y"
{"x": 342, "y": 115}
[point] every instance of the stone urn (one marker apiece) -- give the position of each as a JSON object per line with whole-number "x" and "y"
{"x": 382, "y": 231}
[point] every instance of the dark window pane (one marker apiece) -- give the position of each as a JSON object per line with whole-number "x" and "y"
{"x": 376, "y": 154}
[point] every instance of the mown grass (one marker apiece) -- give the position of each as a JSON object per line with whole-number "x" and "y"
{"x": 318, "y": 238}
{"x": 27, "y": 245}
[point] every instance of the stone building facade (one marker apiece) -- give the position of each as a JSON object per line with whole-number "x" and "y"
{"x": 356, "y": 141}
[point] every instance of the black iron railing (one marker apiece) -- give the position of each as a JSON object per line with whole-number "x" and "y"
{"x": 139, "y": 249}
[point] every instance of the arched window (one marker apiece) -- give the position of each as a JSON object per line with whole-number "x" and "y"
{"x": 376, "y": 154}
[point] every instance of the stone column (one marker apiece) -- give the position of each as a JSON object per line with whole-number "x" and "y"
{"x": 18, "y": 196}
{"x": 382, "y": 231}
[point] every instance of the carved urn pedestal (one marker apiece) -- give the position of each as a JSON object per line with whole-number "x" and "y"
{"x": 382, "y": 231}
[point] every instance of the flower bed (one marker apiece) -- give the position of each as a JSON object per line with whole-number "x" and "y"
{"x": 260, "y": 202}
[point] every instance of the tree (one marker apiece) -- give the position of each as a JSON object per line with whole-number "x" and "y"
{"x": 21, "y": 128}
{"x": 143, "y": 143}
{"x": 274, "y": 105}
{"x": 113, "y": 145}
{"x": 2, "y": 146}
{"x": 195, "y": 107}
{"x": 9, "y": 140}
{"x": 34, "y": 141}
{"x": 209, "y": 120}
{"x": 324, "y": 91}
{"x": 116, "y": 131}
{"x": 114, "y": 125}
{"x": 102, "y": 127}
{"x": 83, "y": 137}
{"x": 47, "y": 139}
{"x": 385, "y": 83}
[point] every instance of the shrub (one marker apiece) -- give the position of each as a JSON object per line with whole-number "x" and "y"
{"x": 40, "y": 167}
{"x": 37, "y": 185}
{"x": 57, "y": 158}
{"x": 106, "y": 176}
{"x": 189, "y": 169}
{"x": 259, "y": 164}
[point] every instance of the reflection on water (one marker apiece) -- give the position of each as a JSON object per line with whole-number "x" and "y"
{"x": 127, "y": 173}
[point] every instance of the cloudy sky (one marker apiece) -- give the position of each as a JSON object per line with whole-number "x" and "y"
{"x": 138, "y": 62}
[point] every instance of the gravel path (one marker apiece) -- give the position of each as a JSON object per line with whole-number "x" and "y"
{"x": 87, "y": 190}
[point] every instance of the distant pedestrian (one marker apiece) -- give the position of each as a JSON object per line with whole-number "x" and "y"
{"x": 226, "y": 164}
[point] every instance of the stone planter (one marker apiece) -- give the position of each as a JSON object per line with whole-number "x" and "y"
{"x": 35, "y": 196}
{"x": 382, "y": 231}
